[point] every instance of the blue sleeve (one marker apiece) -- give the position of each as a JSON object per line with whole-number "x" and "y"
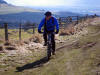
{"x": 56, "y": 23}
{"x": 41, "y": 24}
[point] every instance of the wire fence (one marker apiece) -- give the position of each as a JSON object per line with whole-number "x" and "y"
{"x": 66, "y": 21}
{"x": 19, "y": 31}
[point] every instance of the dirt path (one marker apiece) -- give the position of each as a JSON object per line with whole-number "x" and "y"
{"x": 79, "y": 55}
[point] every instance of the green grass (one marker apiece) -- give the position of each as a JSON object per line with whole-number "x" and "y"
{"x": 71, "y": 60}
{"x": 12, "y": 9}
{"x": 2, "y": 33}
{"x": 91, "y": 37}
{"x": 14, "y": 35}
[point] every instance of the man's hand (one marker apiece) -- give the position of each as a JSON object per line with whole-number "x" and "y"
{"x": 57, "y": 31}
{"x": 39, "y": 31}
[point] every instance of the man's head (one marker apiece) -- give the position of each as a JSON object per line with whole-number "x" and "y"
{"x": 48, "y": 15}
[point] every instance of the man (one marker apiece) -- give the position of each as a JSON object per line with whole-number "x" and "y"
{"x": 50, "y": 25}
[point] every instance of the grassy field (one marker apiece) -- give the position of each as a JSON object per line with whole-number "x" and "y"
{"x": 13, "y": 35}
{"x": 9, "y": 9}
{"x": 80, "y": 56}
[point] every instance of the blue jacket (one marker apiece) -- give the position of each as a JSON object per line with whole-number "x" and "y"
{"x": 50, "y": 26}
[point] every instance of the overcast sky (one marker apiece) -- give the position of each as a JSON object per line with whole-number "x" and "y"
{"x": 90, "y": 3}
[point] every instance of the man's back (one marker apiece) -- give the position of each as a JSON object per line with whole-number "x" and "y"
{"x": 49, "y": 24}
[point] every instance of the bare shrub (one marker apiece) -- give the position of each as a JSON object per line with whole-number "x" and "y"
{"x": 71, "y": 29}
{"x": 63, "y": 32}
{"x": 1, "y": 40}
{"x": 36, "y": 38}
{"x": 1, "y": 48}
{"x": 7, "y": 43}
{"x": 67, "y": 31}
{"x": 10, "y": 48}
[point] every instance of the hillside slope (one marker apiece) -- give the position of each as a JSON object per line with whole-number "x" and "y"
{"x": 11, "y": 9}
{"x": 11, "y": 13}
{"x": 79, "y": 55}
{"x": 3, "y": 2}
{"x": 6, "y": 8}
{"x": 22, "y": 17}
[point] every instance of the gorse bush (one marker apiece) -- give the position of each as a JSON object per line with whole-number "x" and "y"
{"x": 36, "y": 38}
{"x": 67, "y": 31}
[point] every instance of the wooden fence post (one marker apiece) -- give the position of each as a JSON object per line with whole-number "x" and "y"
{"x": 20, "y": 32}
{"x": 6, "y": 32}
{"x": 86, "y": 16}
{"x": 33, "y": 28}
{"x": 60, "y": 22}
{"x": 77, "y": 19}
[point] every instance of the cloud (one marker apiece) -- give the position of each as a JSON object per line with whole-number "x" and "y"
{"x": 44, "y": 2}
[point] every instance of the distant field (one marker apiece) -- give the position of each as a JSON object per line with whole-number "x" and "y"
{"x": 79, "y": 55}
{"x": 10, "y": 13}
{"x": 14, "y": 34}
{"x": 9, "y": 9}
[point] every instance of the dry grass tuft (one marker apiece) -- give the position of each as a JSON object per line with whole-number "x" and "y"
{"x": 7, "y": 43}
{"x": 67, "y": 31}
{"x": 10, "y": 48}
{"x": 36, "y": 38}
{"x": 1, "y": 48}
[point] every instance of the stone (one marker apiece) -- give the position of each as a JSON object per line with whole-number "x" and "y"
{"x": 1, "y": 48}
{"x": 10, "y": 48}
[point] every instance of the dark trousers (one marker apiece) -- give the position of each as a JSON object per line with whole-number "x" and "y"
{"x": 52, "y": 40}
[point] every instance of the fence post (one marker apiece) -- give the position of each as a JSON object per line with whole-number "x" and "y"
{"x": 59, "y": 21}
{"x": 95, "y": 15}
{"x": 33, "y": 28}
{"x": 77, "y": 19}
{"x": 71, "y": 19}
{"x": 6, "y": 32}
{"x": 86, "y": 16}
{"x": 20, "y": 32}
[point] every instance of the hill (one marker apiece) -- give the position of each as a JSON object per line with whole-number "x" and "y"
{"x": 6, "y": 8}
{"x": 31, "y": 16}
{"x": 11, "y": 13}
{"x": 23, "y": 17}
{"x": 11, "y": 9}
{"x": 66, "y": 14}
{"x": 79, "y": 54}
{"x": 3, "y": 2}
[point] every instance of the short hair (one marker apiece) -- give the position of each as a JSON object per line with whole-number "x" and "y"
{"x": 48, "y": 13}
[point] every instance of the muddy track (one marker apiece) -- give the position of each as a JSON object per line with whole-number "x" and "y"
{"x": 66, "y": 45}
